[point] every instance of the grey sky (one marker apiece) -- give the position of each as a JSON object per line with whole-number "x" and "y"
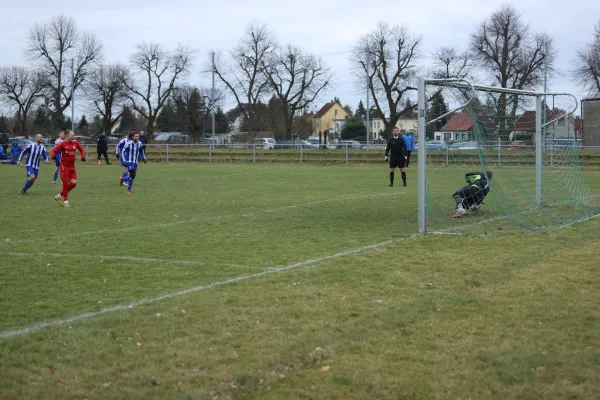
{"x": 319, "y": 27}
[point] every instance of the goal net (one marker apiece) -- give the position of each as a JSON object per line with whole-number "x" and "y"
{"x": 499, "y": 160}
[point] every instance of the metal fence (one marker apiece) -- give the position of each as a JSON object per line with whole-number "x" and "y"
{"x": 344, "y": 154}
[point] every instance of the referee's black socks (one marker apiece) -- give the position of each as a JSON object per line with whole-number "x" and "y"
{"x": 391, "y": 179}
{"x": 404, "y": 178}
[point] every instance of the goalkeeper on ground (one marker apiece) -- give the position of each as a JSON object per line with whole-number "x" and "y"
{"x": 471, "y": 196}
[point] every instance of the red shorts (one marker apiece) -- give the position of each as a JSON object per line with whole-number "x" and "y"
{"x": 67, "y": 173}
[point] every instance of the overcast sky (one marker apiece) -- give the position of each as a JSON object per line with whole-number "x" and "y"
{"x": 320, "y": 27}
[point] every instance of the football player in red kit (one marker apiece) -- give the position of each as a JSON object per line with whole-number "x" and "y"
{"x": 68, "y": 175}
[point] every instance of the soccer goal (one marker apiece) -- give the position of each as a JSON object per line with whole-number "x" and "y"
{"x": 498, "y": 160}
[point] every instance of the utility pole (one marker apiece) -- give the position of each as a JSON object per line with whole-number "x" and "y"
{"x": 212, "y": 100}
{"x": 73, "y": 94}
{"x": 368, "y": 95}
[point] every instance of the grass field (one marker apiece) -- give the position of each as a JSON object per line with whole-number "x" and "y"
{"x": 283, "y": 282}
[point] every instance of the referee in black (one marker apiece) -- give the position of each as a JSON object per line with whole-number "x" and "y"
{"x": 398, "y": 156}
{"x": 102, "y": 148}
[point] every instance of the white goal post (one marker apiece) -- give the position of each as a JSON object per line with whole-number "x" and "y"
{"x": 469, "y": 90}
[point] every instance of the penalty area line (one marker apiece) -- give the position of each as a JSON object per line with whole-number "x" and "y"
{"x": 58, "y": 322}
{"x": 140, "y": 259}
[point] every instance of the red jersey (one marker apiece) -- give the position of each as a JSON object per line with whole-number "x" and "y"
{"x": 68, "y": 152}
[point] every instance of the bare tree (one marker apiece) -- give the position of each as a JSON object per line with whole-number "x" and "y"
{"x": 587, "y": 65}
{"x": 513, "y": 57}
{"x": 158, "y": 72}
{"x": 107, "y": 92}
{"x": 391, "y": 53}
{"x": 242, "y": 71}
{"x": 52, "y": 45}
{"x": 21, "y": 89}
{"x": 450, "y": 63}
{"x": 296, "y": 79}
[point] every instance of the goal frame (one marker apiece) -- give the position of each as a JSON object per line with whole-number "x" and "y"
{"x": 540, "y": 126}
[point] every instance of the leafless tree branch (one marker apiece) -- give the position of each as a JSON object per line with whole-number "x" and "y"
{"x": 391, "y": 54}
{"x": 157, "y": 73}
{"x": 52, "y": 45}
{"x": 21, "y": 88}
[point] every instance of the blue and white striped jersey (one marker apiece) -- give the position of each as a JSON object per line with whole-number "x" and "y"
{"x": 120, "y": 149}
{"x": 134, "y": 150}
{"x": 35, "y": 154}
{"x": 56, "y": 143}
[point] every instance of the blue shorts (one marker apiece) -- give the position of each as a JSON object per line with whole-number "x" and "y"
{"x": 57, "y": 160}
{"x": 123, "y": 163}
{"x": 132, "y": 166}
{"x": 32, "y": 171}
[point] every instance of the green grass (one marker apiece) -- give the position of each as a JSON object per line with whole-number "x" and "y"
{"x": 503, "y": 317}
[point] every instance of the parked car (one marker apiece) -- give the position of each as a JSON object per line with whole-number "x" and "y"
{"x": 436, "y": 145}
{"x": 266, "y": 143}
{"x": 308, "y": 145}
{"x": 516, "y": 145}
{"x": 286, "y": 144}
{"x": 464, "y": 146}
{"x": 170, "y": 138}
{"x": 351, "y": 144}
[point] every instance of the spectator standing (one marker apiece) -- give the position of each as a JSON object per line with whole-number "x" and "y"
{"x": 410, "y": 146}
{"x": 4, "y": 141}
{"x": 143, "y": 140}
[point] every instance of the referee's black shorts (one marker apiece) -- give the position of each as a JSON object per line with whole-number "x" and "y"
{"x": 399, "y": 162}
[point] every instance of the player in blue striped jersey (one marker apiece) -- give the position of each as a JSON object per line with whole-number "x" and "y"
{"x": 121, "y": 154}
{"x": 134, "y": 151}
{"x": 60, "y": 138}
{"x": 35, "y": 153}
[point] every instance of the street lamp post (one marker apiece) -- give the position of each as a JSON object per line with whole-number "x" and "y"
{"x": 204, "y": 113}
{"x": 335, "y": 124}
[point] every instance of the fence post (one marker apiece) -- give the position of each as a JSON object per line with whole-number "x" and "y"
{"x": 499, "y": 144}
{"x": 346, "y": 154}
{"x": 300, "y": 154}
{"x": 167, "y": 153}
{"x": 86, "y": 150}
{"x": 447, "y": 156}
{"x": 210, "y": 152}
{"x": 254, "y": 154}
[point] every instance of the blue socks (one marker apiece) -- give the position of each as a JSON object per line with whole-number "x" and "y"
{"x": 129, "y": 184}
{"x": 28, "y": 184}
{"x": 55, "y": 176}
{"x": 125, "y": 177}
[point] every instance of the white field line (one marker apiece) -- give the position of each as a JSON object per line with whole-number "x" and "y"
{"x": 58, "y": 322}
{"x": 200, "y": 219}
{"x": 126, "y": 258}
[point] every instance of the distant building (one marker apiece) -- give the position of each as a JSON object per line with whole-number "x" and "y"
{"x": 458, "y": 128}
{"x": 591, "y": 122}
{"x": 330, "y": 118}
{"x": 563, "y": 127}
{"x": 408, "y": 121}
